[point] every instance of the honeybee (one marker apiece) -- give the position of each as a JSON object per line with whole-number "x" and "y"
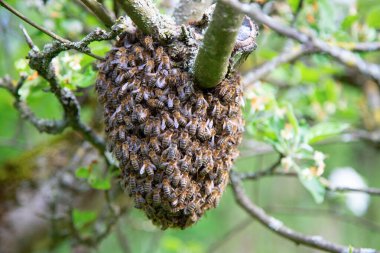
{"x": 161, "y": 95}
{"x": 179, "y": 120}
{"x": 148, "y": 127}
{"x": 189, "y": 89}
{"x": 134, "y": 161}
{"x": 193, "y": 190}
{"x": 134, "y": 143}
{"x": 190, "y": 208}
{"x": 223, "y": 89}
{"x": 149, "y": 66}
{"x": 207, "y": 169}
{"x": 201, "y": 101}
{"x": 128, "y": 123}
{"x": 144, "y": 147}
{"x": 182, "y": 198}
{"x": 156, "y": 196}
{"x": 155, "y": 103}
{"x": 147, "y": 168}
{"x": 140, "y": 113}
{"x": 154, "y": 157}
{"x": 158, "y": 53}
{"x": 192, "y": 126}
{"x": 198, "y": 159}
{"x": 121, "y": 133}
{"x": 170, "y": 167}
{"x": 132, "y": 184}
{"x": 226, "y": 141}
{"x": 166, "y": 188}
{"x": 177, "y": 103}
{"x": 174, "y": 203}
{"x": 156, "y": 127}
{"x": 131, "y": 72}
{"x": 120, "y": 78}
{"x": 165, "y": 62}
{"x": 148, "y": 186}
{"x": 207, "y": 158}
{"x": 139, "y": 200}
{"x": 183, "y": 140}
{"x": 209, "y": 186}
{"x": 170, "y": 100}
{"x": 166, "y": 139}
{"x": 161, "y": 82}
{"x": 148, "y": 43}
{"x": 202, "y": 131}
{"x": 185, "y": 163}
{"x": 176, "y": 177}
{"x": 171, "y": 152}
{"x": 138, "y": 51}
{"x": 216, "y": 110}
{"x": 154, "y": 144}
{"x": 213, "y": 199}
{"x": 184, "y": 180}
{"x": 131, "y": 60}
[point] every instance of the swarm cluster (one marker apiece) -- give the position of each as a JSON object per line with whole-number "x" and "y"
{"x": 175, "y": 142}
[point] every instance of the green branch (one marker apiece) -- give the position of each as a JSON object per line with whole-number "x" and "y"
{"x": 148, "y": 18}
{"x": 212, "y": 60}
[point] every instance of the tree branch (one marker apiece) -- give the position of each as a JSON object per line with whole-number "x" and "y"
{"x": 279, "y": 228}
{"x": 99, "y": 11}
{"x": 287, "y": 56}
{"x": 42, "y": 125}
{"x": 212, "y": 60}
{"x": 148, "y": 18}
{"x": 18, "y": 14}
{"x": 342, "y": 55}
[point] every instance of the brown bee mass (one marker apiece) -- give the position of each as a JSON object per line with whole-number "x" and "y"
{"x": 175, "y": 143}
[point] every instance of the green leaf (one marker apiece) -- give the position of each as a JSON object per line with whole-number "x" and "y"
{"x": 100, "y": 183}
{"x": 324, "y": 130}
{"x": 314, "y": 186}
{"x": 82, "y": 172}
{"x": 293, "y": 4}
{"x": 81, "y": 218}
{"x": 349, "y": 20}
{"x": 373, "y": 18}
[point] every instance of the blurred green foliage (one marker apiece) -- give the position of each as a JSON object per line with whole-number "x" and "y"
{"x": 293, "y": 109}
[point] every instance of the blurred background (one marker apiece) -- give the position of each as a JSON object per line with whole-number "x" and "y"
{"x": 35, "y": 168}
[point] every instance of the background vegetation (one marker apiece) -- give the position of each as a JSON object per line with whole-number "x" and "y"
{"x": 310, "y": 115}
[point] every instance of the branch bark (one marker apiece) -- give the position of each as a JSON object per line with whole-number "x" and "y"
{"x": 212, "y": 60}
{"x": 148, "y": 18}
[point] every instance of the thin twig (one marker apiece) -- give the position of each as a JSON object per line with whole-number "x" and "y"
{"x": 229, "y": 235}
{"x": 99, "y": 11}
{"x": 279, "y": 228}
{"x": 44, "y": 30}
{"x": 344, "y": 56}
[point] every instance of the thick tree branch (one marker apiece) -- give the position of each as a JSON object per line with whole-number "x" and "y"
{"x": 344, "y": 56}
{"x": 99, "y": 11}
{"x": 212, "y": 60}
{"x": 148, "y": 18}
{"x": 279, "y": 228}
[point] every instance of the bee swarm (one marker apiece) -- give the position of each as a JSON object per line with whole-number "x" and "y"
{"x": 175, "y": 143}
